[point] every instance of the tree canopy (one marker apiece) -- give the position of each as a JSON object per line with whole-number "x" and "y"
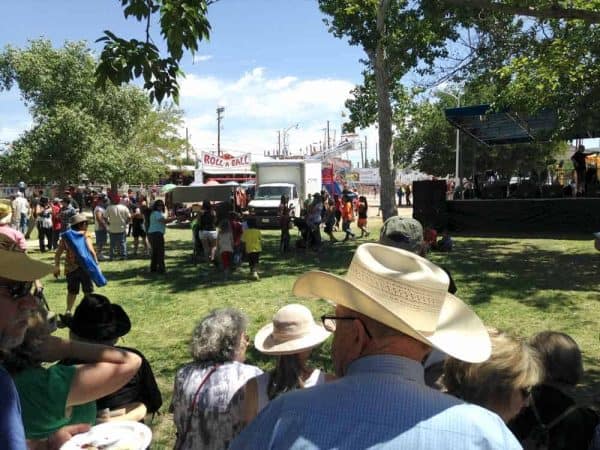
{"x": 527, "y": 55}
{"x": 183, "y": 24}
{"x": 112, "y": 135}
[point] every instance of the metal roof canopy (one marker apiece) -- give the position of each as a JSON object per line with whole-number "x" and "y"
{"x": 504, "y": 127}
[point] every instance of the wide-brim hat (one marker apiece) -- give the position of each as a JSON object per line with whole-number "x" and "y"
{"x": 78, "y": 218}
{"x": 402, "y": 232}
{"x": 293, "y": 330}
{"x": 5, "y": 212}
{"x": 16, "y": 265}
{"x": 407, "y": 293}
{"x": 97, "y": 319}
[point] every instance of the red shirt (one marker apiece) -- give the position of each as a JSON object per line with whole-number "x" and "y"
{"x": 56, "y": 225}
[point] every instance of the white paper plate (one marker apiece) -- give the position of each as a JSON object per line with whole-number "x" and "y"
{"x": 125, "y": 435}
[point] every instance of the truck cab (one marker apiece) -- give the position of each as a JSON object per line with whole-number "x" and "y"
{"x": 267, "y": 198}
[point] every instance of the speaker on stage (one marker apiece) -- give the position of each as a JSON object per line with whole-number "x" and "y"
{"x": 429, "y": 203}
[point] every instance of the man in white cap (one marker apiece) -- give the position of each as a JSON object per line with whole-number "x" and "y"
{"x": 392, "y": 307}
{"x": 17, "y": 273}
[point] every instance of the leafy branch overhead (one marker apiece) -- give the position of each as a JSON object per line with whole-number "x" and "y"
{"x": 183, "y": 24}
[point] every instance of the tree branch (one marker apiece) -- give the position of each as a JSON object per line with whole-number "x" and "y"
{"x": 554, "y": 11}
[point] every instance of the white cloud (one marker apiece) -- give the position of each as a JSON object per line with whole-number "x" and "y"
{"x": 201, "y": 58}
{"x": 257, "y": 106}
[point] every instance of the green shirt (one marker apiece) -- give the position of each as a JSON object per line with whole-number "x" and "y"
{"x": 43, "y": 394}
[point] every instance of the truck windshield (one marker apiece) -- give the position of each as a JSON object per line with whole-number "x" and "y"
{"x": 271, "y": 192}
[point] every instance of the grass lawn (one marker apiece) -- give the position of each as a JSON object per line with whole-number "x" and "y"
{"x": 521, "y": 285}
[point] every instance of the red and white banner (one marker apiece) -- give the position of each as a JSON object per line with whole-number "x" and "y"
{"x": 209, "y": 160}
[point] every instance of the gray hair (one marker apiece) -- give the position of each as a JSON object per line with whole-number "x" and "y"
{"x": 217, "y": 336}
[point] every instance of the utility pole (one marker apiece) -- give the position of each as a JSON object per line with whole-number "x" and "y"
{"x": 220, "y": 110}
{"x": 187, "y": 146}
{"x": 278, "y": 142}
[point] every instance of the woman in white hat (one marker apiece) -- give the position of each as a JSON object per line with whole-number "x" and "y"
{"x": 291, "y": 336}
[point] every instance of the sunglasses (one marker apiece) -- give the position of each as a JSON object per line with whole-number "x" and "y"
{"x": 18, "y": 289}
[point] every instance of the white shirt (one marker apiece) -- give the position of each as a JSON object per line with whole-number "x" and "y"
{"x": 118, "y": 216}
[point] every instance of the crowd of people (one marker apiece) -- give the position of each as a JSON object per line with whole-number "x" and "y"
{"x": 413, "y": 365}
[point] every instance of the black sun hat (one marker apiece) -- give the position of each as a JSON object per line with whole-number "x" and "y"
{"x": 97, "y": 319}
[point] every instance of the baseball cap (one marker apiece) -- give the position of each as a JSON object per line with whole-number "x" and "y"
{"x": 402, "y": 232}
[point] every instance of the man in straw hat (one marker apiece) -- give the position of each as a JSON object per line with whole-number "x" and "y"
{"x": 17, "y": 273}
{"x": 392, "y": 307}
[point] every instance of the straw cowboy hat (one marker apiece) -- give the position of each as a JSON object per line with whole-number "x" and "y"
{"x": 407, "y": 293}
{"x": 16, "y": 265}
{"x": 5, "y": 212}
{"x": 293, "y": 330}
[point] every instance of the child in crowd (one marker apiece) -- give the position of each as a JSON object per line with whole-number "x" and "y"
{"x": 236, "y": 232}
{"x": 445, "y": 244}
{"x": 347, "y": 218}
{"x": 225, "y": 246}
{"x": 330, "y": 219}
{"x": 252, "y": 245}
{"x": 430, "y": 238}
{"x": 363, "y": 209}
{"x": 77, "y": 276}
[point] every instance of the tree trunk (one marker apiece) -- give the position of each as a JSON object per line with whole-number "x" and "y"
{"x": 387, "y": 172}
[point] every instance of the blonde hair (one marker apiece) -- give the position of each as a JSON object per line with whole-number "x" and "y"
{"x": 513, "y": 365}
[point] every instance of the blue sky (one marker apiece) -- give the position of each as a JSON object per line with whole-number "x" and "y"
{"x": 270, "y": 63}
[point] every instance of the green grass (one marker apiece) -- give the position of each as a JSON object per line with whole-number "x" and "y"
{"x": 521, "y": 285}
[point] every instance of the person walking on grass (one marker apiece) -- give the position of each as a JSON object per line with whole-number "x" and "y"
{"x": 118, "y": 216}
{"x": 77, "y": 276}
{"x": 347, "y": 218}
{"x": 253, "y": 246}
{"x": 225, "y": 246}
{"x": 363, "y": 210}
{"x": 284, "y": 224}
{"x": 101, "y": 226}
{"x": 138, "y": 230}
{"x": 330, "y": 219}
{"x": 156, "y": 236}
{"x": 44, "y": 224}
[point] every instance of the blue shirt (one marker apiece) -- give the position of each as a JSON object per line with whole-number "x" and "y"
{"x": 156, "y": 226}
{"x": 381, "y": 403}
{"x": 12, "y": 435}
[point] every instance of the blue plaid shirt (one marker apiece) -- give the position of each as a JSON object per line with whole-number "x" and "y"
{"x": 381, "y": 403}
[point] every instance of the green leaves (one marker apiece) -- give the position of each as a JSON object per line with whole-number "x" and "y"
{"x": 183, "y": 25}
{"x": 107, "y": 134}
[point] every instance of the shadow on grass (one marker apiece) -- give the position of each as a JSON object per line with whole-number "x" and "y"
{"x": 183, "y": 275}
{"x": 492, "y": 268}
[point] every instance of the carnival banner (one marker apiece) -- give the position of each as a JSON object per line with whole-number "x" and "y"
{"x": 208, "y": 160}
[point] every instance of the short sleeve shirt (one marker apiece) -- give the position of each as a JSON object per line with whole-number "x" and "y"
{"x": 251, "y": 239}
{"x": 43, "y": 393}
{"x": 156, "y": 226}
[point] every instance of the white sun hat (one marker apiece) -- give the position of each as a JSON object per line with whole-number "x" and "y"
{"x": 293, "y": 330}
{"x": 407, "y": 293}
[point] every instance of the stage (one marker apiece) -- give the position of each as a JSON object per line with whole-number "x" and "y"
{"x": 560, "y": 215}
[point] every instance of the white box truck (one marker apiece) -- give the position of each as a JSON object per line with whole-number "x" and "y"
{"x": 292, "y": 178}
